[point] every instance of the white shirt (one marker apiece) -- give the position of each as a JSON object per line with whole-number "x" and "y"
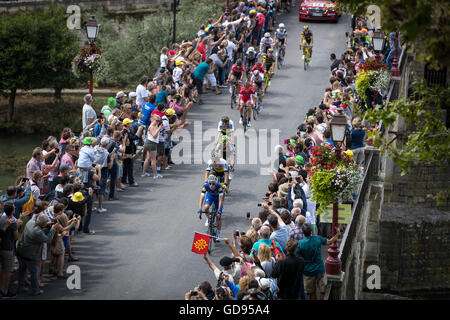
{"x": 88, "y": 113}
{"x": 177, "y": 72}
{"x": 166, "y": 127}
{"x": 163, "y": 59}
{"x": 142, "y": 93}
{"x": 230, "y": 48}
{"x": 150, "y": 137}
{"x": 86, "y": 158}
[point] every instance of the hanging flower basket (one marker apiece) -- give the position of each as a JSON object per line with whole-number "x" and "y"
{"x": 331, "y": 177}
{"x": 87, "y": 60}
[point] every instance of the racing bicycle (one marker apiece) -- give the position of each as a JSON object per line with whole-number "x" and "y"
{"x": 306, "y": 57}
{"x": 267, "y": 79}
{"x": 279, "y": 55}
{"x": 212, "y": 228}
{"x": 234, "y": 93}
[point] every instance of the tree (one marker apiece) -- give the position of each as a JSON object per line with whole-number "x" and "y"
{"x": 133, "y": 48}
{"x": 36, "y": 50}
{"x": 424, "y": 24}
{"x": 18, "y": 55}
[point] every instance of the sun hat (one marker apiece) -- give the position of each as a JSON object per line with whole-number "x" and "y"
{"x": 299, "y": 159}
{"x": 111, "y": 102}
{"x": 77, "y": 197}
{"x": 87, "y": 141}
{"x": 170, "y": 112}
{"x": 120, "y": 94}
{"x": 132, "y": 95}
{"x": 127, "y": 121}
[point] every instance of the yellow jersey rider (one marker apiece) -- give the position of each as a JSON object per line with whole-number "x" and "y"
{"x": 269, "y": 63}
{"x": 307, "y": 39}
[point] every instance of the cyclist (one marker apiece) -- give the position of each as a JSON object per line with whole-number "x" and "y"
{"x": 237, "y": 73}
{"x": 269, "y": 64}
{"x": 225, "y": 127}
{"x": 281, "y": 39}
{"x": 226, "y": 149}
{"x": 266, "y": 43}
{"x": 258, "y": 84}
{"x": 258, "y": 66}
{"x": 251, "y": 57}
{"x": 246, "y": 95}
{"x": 212, "y": 193}
{"x": 306, "y": 40}
{"x": 219, "y": 168}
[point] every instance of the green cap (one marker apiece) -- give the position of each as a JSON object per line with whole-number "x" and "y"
{"x": 293, "y": 142}
{"x": 111, "y": 102}
{"x": 299, "y": 159}
{"x": 87, "y": 141}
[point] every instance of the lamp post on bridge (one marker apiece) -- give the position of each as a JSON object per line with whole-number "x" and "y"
{"x": 395, "y": 71}
{"x": 333, "y": 265}
{"x": 92, "y": 28}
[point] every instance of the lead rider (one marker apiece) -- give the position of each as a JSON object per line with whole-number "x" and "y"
{"x": 212, "y": 193}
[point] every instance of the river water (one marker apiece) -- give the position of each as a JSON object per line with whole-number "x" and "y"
{"x": 15, "y": 151}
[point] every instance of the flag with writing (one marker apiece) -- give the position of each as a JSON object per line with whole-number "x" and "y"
{"x": 200, "y": 244}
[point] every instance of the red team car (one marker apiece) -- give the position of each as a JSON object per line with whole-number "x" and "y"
{"x": 318, "y": 10}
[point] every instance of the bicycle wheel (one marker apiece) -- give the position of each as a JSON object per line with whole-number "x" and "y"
{"x": 233, "y": 98}
{"x": 244, "y": 119}
{"x": 255, "y": 111}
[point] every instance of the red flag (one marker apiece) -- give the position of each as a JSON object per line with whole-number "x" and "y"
{"x": 200, "y": 244}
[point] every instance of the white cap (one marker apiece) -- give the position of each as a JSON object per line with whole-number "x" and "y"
{"x": 132, "y": 95}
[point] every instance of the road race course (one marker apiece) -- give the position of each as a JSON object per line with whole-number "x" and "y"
{"x": 142, "y": 245}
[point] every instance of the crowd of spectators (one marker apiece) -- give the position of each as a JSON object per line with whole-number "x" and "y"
{"x": 69, "y": 177}
{"x": 280, "y": 256}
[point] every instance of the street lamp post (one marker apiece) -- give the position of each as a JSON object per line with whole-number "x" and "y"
{"x": 395, "y": 71}
{"x": 338, "y": 125}
{"x": 378, "y": 40}
{"x": 174, "y": 10}
{"x": 92, "y": 28}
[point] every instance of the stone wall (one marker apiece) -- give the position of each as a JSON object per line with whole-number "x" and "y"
{"x": 414, "y": 250}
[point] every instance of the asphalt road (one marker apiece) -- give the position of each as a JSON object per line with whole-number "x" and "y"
{"x": 142, "y": 245}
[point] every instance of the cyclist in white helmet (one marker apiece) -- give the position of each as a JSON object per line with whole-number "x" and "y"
{"x": 258, "y": 83}
{"x": 266, "y": 43}
{"x": 251, "y": 57}
{"x": 281, "y": 39}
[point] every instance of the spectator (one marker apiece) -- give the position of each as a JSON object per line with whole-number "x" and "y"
{"x": 309, "y": 249}
{"x": 252, "y": 233}
{"x": 29, "y": 250}
{"x": 9, "y": 236}
{"x": 88, "y": 113}
{"x": 289, "y": 273}
{"x": 296, "y": 233}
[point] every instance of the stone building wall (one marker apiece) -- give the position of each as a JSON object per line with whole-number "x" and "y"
{"x": 414, "y": 250}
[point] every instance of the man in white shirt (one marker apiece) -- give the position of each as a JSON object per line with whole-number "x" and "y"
{"x": 88, "y": 113}
{"x": 141, "y": 92}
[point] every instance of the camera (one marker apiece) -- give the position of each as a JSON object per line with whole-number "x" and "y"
{"x": 194, "y": 293}
{"x": 236, "y": 233}
{"x": 248, "y": 215}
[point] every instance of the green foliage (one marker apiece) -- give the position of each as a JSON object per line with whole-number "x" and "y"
{"x": 363, "y": 82}
{"x": 428, "y": 139}
{"x": 36, "y": 50}
{"x": 334, "y": 177}
{"x": 422, "y": 23}
{"x": 132, "y": 49}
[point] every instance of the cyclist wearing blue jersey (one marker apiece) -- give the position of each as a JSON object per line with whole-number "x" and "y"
{"x": 212, "y": 193}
